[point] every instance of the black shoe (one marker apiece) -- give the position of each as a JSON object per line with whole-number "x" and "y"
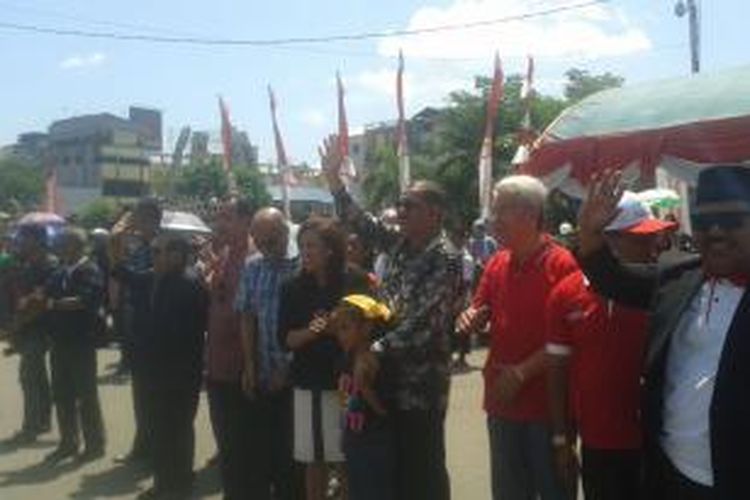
{"x": 61, "y": 453}
{"x": 91, "y": 455}
{"x": 22, "y": 437}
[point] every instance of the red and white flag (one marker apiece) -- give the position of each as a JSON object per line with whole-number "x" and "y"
{"x": 348, "y": 167}
{"x": 282, "y": 162}
{"x": 226, "y": 135}
{"x": 402, "y": 148}
{"x": 51, "y": 192}
{"x": 485, "y": 155}
{"x": 526, "y": 135}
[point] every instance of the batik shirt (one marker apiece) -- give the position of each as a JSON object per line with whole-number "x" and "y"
{"x": 259, "y": 293}
{"x": 423, "y": 290}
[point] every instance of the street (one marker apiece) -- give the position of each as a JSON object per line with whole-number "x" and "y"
{"x": 22, "y": 477}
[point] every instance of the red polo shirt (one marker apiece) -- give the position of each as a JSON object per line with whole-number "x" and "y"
{"x": 516, "y": 294}
{"x": 606, "y": 342}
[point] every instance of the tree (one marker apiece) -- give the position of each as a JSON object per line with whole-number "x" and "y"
{"x": 21, "y": 185}
{"x": 251, "y": 185}
{"x": 202, "y": 181}
{"x": 208, "y": 180}
{"x": 582, "y": 84}
{"x": 101, "y": 212}
{"x": 451, "y": 157}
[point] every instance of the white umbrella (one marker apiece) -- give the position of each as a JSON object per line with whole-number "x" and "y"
{"x": 183, "y": 222}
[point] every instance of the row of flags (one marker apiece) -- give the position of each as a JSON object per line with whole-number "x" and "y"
{"x": 287, "y": 178}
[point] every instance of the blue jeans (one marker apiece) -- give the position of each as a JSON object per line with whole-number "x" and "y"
{"x": 522, "y": 461}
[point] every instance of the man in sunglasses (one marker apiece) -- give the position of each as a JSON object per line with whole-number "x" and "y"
{"x": 696, "y": 408}
{"x": 421, "y": 284}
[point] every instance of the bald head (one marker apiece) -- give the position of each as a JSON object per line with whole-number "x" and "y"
{"x": 270, "y": 232}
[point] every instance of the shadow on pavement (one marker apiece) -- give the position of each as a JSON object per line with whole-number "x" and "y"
{"x": 117, "y": 481}
{"x": 37, "y": 473}
{"x": 11, "y": 446}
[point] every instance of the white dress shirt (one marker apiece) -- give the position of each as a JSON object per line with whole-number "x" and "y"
{"x": 692, "y": 363}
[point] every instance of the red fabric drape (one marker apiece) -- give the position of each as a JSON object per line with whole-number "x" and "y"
{"x": 716, "y": 141}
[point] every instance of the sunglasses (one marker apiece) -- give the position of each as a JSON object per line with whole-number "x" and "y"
{"x": 727, "y": 221}
{"x": 407, "y": 204}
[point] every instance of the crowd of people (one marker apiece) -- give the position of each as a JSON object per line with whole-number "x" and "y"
{"x": 608, "y": 363}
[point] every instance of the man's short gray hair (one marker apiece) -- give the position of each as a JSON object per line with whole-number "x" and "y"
{"x": 526, "y": 189}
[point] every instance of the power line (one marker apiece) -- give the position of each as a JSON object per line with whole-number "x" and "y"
{"x": 195, "y": 40}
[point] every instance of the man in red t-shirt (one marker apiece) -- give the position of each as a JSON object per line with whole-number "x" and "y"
{"x": 511, "y": 296}
{"x": 595, "y": 349}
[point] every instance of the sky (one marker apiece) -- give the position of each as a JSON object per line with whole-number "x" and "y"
{"x": 46, "y": 77}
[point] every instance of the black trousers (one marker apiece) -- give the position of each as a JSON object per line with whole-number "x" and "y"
{"x": 271, "y": 469}
{"x": 611, "y": 474}
{"x": 421, "y": 473}
{"x": 173, "y": 401}
{"x": 76, "y": 395}
{"x": 142, "y": 409}
{"x": 228, "y": 411}
{"x": 665, "y": 482}
{"x": 32, "y": 374}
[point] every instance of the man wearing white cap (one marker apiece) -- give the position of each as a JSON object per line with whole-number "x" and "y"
{"x": 697, "y": 364}
{"x": 595, "y": 350}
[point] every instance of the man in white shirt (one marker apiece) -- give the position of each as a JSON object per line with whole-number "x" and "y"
{"x": 697, "y": 411}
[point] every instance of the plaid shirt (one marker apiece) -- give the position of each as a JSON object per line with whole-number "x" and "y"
{"x": 423, "y": 289}
{"x": 259, "y": 293}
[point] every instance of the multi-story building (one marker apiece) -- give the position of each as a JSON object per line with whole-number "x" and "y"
{"x": 104, "y": 154}
{"x": 363, "y": 147}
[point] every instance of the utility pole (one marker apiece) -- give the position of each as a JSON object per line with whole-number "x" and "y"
{"x": 690, "y": 7}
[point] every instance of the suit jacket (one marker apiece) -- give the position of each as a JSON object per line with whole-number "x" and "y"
{"x": 666, "y": 291}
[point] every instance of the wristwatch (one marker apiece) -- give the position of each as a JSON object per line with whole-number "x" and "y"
{"x": 559, "y": 440}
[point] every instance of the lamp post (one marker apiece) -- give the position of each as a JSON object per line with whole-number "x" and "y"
{"x": 690, "y": 7}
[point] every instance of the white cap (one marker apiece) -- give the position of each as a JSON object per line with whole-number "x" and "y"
{"x": 636, "y": 218}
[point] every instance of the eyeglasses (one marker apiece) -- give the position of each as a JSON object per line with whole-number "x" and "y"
{"x": 727, "y": 221}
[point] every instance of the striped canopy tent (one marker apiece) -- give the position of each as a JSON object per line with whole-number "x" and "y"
{"x": 679, "y": 124}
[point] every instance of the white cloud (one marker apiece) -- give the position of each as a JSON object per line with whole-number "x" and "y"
{"x": 314, "y": 118}
{"x": 589, "y": 32}
{"x": 439, "y": 63}
{"x": 79, "y": 61}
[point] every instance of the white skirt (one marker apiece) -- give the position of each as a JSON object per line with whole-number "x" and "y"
{"x": 317, "y": 426}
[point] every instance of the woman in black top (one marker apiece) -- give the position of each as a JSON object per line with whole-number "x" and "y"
{"x": 306, "y": 303}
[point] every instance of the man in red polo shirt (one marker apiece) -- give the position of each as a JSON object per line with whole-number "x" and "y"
{"x": 511, "y": 295}
{"x": 595, "y": 348}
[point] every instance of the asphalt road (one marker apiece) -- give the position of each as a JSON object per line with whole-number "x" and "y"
{"x": 23, "y": 477}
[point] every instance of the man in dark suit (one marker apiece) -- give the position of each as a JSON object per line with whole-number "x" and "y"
{"x": 696, "y": 410}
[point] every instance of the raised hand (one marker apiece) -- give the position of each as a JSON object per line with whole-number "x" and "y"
{"x": 331, "y": 161}
{"x": 598, "y": 210}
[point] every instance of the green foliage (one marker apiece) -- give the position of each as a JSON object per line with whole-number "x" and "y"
{"x": 581, "y": 83}
{"x": 201, "y": 181}
{"x": 250, "y": 184}
{"x": 21, "y": 185}
{"x": 208, "y": 180}
{"x": 101, "y": 212}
